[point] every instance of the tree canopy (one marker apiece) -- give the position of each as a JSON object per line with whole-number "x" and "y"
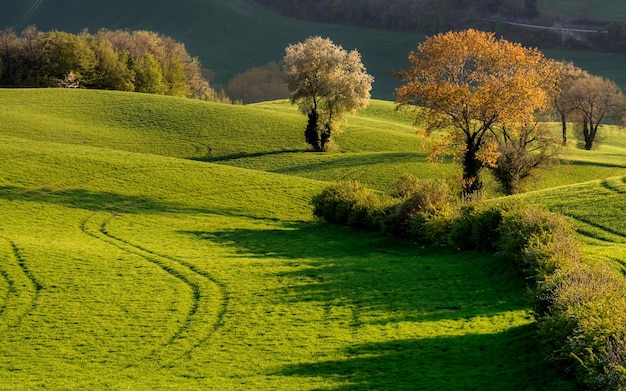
{"x": 326, "y": 82}
{"x": 140, "y": 61}
{"x": 471, "y": 85}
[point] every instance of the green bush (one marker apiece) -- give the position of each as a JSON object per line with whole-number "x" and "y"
{"x": 351, "y": 203}
{"x": 438, "y": 226}
{"x": 423, "y": 199}
{"x": 477, "y": 228}
{"x": 335, "y": 203}
{"x": 585, "y": 326}
{"x": 405, "y": 186}
{"x": 536, "y": 240}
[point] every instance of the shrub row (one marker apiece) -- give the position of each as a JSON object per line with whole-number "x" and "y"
{"x": 580, "y": 308}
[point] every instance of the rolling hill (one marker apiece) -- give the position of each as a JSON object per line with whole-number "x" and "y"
{"x": 230, "y": 37}
{"x": 150, "y": 242}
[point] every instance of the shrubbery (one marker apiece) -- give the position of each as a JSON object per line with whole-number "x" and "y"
{"x": 580, "y": 308}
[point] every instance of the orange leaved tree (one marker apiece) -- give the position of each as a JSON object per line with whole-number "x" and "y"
{"x": 471, "y": 85}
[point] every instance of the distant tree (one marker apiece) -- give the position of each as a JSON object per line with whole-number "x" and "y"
{"x": 65, "y": 53}
{"x": 8, "y": 44}
{"x": 111, "y": 70}
{"x": 326, "y": 82}
{"x": 595, "y": 99}
{"x": 30, "y": 62}
{"x": 470, "y": 85}
{"x": 562, "y": 100}
{"x": 148, "y": 75}
{"x": 258, "y": 84}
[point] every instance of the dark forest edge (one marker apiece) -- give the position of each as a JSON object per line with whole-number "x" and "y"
{"x": 435, "y": 16}
{"x": 139, "y": 61}
{"x": 579, "y": 306}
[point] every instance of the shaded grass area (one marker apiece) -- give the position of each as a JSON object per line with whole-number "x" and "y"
{"x": 433, "y": 363}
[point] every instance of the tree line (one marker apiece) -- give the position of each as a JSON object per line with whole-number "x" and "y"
{"x": 486, "y": 99}
{"x": 423, "y": 15}
{"x": 139, "y": 61}
{"x": 434, "y": 16}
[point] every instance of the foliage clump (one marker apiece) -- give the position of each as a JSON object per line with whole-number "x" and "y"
{"x": 139, "y": 61}
{"x": 580, "y": 308}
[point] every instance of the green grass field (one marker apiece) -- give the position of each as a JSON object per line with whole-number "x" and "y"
{"x": 161, "y": 243}
{"x": 230, "y": 37}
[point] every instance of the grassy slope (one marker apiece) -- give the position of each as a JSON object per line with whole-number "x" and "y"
{"x": 376, "y": 146}
{"x": 230, "y": 37}
{"x": 120, "y": 268}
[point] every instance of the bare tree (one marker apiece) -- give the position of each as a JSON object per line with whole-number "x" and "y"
{"x": 522, "y": 149}
{"x": 562, "y": 101}
{"x": 595, "y": 99}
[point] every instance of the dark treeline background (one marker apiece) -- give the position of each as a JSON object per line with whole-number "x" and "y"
{"x": 139, "y": 61}
{"x": 434, "y": 16}
{"x": 422, "y": 15}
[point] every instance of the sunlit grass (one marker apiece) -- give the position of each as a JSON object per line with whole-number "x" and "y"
{"x": 154, "y": 272}
{"x": 598, "y": 209}
{"x": 130, "y": 270}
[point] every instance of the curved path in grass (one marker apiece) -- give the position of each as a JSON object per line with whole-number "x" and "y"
{"x": 22, "y": 286}
{"x": 209, "y": 296}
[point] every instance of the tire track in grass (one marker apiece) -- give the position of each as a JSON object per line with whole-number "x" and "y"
{"x": 617, "y": 186}
{"x": 202, "y": 320}
{"x": 23, "y": 286}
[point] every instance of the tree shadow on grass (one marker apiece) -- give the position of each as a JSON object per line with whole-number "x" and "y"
{"x": 503, "y": 361}
{"x": 243, "y": 155}
{"x": 336, "y": 161}
{"x": 388, "y": 280}
{"x": 595, "y": 164}
{"x": 93, "y": 201}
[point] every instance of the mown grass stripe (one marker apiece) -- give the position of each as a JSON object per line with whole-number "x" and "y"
{"x": 202, "y": 320}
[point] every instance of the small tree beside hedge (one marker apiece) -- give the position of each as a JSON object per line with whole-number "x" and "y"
{"x": 580, "y": 308}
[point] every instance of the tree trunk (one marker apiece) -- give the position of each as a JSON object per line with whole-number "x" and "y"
{"x": 593, "y": 130}
{"x": 472, "y": 185}
{"x": 312, "y": 133}
{"x": 564, "y": 128}
{"x": 325, "y": 136}
{"x": 587, "y": 134}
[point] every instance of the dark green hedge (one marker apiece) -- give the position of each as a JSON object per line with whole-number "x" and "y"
{"x": 580, "y": 308}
